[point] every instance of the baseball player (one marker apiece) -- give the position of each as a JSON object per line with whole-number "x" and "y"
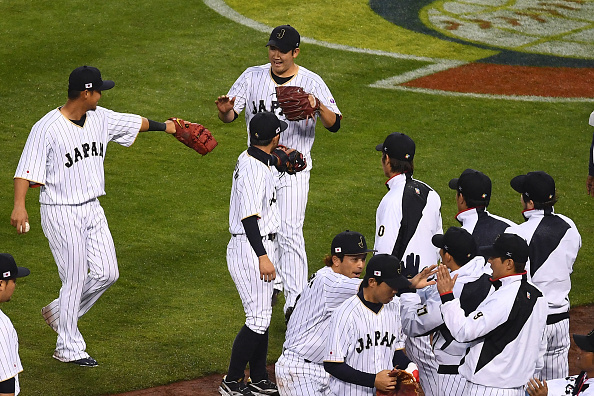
{"x": 253, "y": 224}
{"x": 10, "y": 363}
{"x": 255, "y": 92}
{"x": 366, "y": 340}
{"x": 64, "y": 155}
{"x": 554, "y": 244}
{"x": 473, "y": 194}
{"x": 507, "y": 331}
{"x": 421, "y": 312}
{"x": 299, "y": 370}
{"x": 406, "y": 219}
{"x": 582, "y": 384}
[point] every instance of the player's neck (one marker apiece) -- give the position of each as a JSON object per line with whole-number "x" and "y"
{"x": 290, "y": 72}
{"x": 73, "y": 110}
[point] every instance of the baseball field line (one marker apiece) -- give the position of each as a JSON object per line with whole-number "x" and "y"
{"x": 438, "y": 65}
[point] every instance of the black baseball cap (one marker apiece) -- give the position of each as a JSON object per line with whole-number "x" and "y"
{"x": 472, "y": 184}
{"x": 585, "y": 342}
{"x": 88, "y": 77}
{"x": 509, "y": 246}
{"x": 398, "y": 146}
{"x": 285, "y": 38}
{"x": 9, "y": 269}
{"x": 458, "y": 242}
{"x": 266, "y": 125}
{"x": 349, "y": 243}
{"x": 386, "y": 268}
{"x": 538, "y": 186}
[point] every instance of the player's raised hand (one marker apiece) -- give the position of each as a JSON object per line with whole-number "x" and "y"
{"x": 445, "y": 283}
{"x": 383, "y": 381}
{"x": 420, "y": 281}
{"x": 224, "y": 103}
{"x": 267, "y": 271}
{"x": 537, "y": 388}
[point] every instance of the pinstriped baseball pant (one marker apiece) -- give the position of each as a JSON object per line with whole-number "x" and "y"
{"x": 556, "y": 363}
{"x": 255, "y": 294}
{"x": 419, "y": 350}
{"x": 480, "y": 390}
{"x": 83, "y": 249}
{"x": 296, "y": 377}
{"x": 450, "y": 385}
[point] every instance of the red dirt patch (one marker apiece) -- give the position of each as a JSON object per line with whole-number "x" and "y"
{"x": 493, "y": 79}
{"x": 581, "y": 322}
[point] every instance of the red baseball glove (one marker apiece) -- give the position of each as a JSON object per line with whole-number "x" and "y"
{"x": 406, "y": 385}
{"x": 295, "y": 103}
{"x": 194, "y": 135}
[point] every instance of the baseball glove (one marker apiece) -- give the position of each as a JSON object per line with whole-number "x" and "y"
{"x": 288, "y": 160}
{"x": 406, "y": 385}
{"x": 295, "y": 103}
{"x": 194, "y": 135}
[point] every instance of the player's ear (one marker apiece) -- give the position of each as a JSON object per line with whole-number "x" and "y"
{"x": 3, "y": 284}
{"x": 336, "y": 261}
{"x": 296, "y": 52}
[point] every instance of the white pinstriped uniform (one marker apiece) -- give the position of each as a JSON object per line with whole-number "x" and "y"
{"x": 67, "y": 160}
{"x": 421, "y": 314}
{"x": 549, "y": 267}
{"x": 10, "y": 363}
{"x": 364, "y": 340}
{"x": 299, "y": 370}
{"x": 252, "y": 193}
{"x": 388, "y": 219}
{"x": 255, "y": 92}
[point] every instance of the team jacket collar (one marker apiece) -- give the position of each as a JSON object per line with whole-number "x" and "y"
{"x": 536, "y": 213}
{"x": 260, "y": 155}
{"x": 397, "y": 179}
{"x": 470, "y": 212}
{"x": 508, "y": 279}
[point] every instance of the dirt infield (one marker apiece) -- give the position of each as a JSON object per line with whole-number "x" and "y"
{"x": 581, "y": 322}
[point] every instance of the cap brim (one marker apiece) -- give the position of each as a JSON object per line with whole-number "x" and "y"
{"x": 380, "y": 147}
{"x": 453, "y": 184}
{"x": 107, "y": 84}
{"x": 277, "y": 45}
{"x": 283, "y": 125}
{"x": 437, "y": 240}
{"x": 22, "y": 271}
{"x": 583, "y": 343}
{"x": 488, "y": 251}
{"x": 398, "y": 283}
{"x": 517, "y": 183}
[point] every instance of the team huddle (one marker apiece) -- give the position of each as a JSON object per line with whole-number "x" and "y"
{"x": 481, "y": 309}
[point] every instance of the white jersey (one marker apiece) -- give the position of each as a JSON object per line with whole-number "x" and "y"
{"x": 391, "y": 214}
{"x": 253, "y": 193}
{"x": 511, "y": 319}
{"x": 364, "y": 340}
{"x": 10, "y": 363}
{"x": 255, "y": 92}
{"x": 67, "y": 160}
{"x": 308, "y": 329}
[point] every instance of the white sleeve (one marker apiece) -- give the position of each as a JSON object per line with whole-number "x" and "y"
{"x": 239, "y": 90}
{"x": 322, "y": 92}
{"x": 250, "y": 189}
{"x": 340, "y": 337}
{"x": 122, "y": 128}
{"x": 490, "y": 314}
{"x": 337, "y": 293}
{"x": 388, "y": 221}
{"x": 32, "y": 164}
{"x": 419, "y": 318}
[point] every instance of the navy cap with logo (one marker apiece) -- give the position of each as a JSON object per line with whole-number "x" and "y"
{"x": 266, "y": 125}
{"x": 585, "y": 342}
{"x": 386, "y": 268}
{"x": 508, "y": 246}
{"x": 88, "y": 77}
{"x": 9, "y": 269}
{"x": 398, "y": 146}
{"x": 349, "y": 243}
{"x": 472, "y": 184}
{"x": 538, "y": 186}
{"x": 458, "y": 242}
{"x": 285, "y": 38}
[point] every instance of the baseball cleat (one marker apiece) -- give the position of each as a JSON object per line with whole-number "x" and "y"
{"x": 264, "y": 388}
{"x": 49, "y": 318}
{"x": 234, "y": 388}
{"x": 85, "y": 362}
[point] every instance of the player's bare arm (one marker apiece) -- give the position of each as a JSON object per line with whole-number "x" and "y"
{"x": 327, "y": 116}
{"x": 445, "y": 283}
{"x": 225, "y": 107}
{"x": 19, "y": 215}
{"x": 267, "y": 271}
{"x": 383, "y": 381}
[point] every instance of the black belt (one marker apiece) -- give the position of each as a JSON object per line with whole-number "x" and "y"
{"x": 447, "y": 369}
{"x": 556, "y": 318}
{"x": 270, "y": 237}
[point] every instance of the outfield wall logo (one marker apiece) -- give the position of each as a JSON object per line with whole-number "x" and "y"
{"x": 546, "y": 47}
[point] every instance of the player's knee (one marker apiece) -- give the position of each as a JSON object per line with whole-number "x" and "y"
{"x": 110, "y": 277}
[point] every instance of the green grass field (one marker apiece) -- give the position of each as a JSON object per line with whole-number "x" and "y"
{"x": 174, "y": 312}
